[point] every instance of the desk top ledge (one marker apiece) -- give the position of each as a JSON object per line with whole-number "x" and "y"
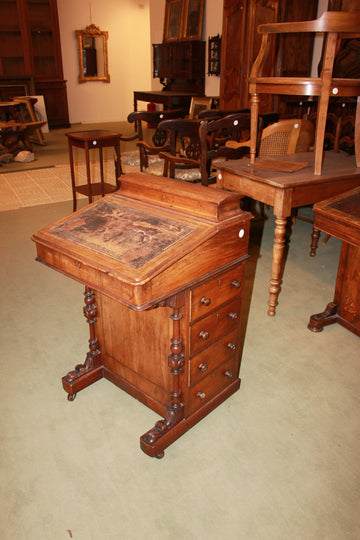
{"x": 199, "y": 201}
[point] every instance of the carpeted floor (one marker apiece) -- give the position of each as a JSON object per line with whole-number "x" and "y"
{"x": 279, "y": 460}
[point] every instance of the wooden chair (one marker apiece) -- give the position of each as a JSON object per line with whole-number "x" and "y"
{"x": 205, "y": 143}
{"x": 335, "y": 26}
{"x": 213, "y": 138}
{"x": 159, "y": 137}
{"x": 182, "y": 158}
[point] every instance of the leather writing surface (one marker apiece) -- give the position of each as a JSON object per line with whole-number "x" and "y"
{"x": 349, "y": 205}
{"x": 129, "y": 235}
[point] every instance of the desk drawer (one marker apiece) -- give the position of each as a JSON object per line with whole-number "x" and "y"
{"x": 218, "y": 323}
{"x": 216, "y": 381}
{"x": 203, "y": 364}
{"x": 219, "y": 290}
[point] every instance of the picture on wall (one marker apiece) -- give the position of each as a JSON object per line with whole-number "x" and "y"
{"x": 183, "y": 19}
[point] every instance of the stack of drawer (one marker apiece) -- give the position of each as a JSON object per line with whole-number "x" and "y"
{"x": 214, "y": 336}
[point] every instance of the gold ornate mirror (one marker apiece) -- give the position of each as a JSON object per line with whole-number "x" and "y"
{"x": 93, "y": 54}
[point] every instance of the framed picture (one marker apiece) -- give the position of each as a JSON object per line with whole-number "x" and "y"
{"x": 199, "y": 104}
{"x": 173, "y": 20}
{"x": 193, "y": 19}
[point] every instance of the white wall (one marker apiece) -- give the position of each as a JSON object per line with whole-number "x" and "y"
{"x": 133, "y": 25}
{"x": 128, "y": 25}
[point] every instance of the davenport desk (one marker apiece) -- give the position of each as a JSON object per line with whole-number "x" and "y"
{"x": 340, "y": 217}
{"x": 162, "y": 262}
{"x": 285, "y": 191}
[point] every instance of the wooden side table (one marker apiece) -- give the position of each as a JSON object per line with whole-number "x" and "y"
{"x": 340, "y": 217}
{"x": 97, "y": 138}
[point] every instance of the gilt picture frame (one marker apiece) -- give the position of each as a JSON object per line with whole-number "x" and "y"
{"x": 174, "y": 12}
{"x": 193, "y": 19}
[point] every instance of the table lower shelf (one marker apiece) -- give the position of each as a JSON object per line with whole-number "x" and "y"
{"x": 96, "y": 189}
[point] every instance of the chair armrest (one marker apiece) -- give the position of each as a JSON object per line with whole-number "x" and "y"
{"x": 236, "y": 144}
{"x": 152, "y": 149}
{"x": 180, "y": 161}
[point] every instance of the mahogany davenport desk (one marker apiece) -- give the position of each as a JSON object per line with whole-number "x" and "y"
{"x": 162, "y": 262}
{"x": 340, "y": 217}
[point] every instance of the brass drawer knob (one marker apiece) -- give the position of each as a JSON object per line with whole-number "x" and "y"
{"x": 231, "y": 346}
{"x": 203, "y": 367}
{"x": 236, "y": 284}
{"x": 204, "y": 334}
{"x": 205, "y": 301}
{"x": 228, "y": 374}
{"x": 233, "y": 315}
{"x": 201, "y": 395}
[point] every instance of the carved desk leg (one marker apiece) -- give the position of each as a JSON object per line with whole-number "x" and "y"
{"x": 319, "y": 320}
{"x": 160, "y": 437}
{"x": 91, "y": 370}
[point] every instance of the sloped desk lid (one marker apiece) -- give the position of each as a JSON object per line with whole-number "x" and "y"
{"x": 121, "y": 242}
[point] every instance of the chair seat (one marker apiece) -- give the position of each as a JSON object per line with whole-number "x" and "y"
{"x": 187, "y": 175}
{"x": 132, "y": 158}
{"x": 301, "y": 86}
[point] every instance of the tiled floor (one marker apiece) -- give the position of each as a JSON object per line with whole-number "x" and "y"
{"x": 44, "y": 186}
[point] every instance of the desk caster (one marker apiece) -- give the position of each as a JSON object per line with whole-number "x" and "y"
{"x": 71, "y": 397}
{"x": 161, "y": 455}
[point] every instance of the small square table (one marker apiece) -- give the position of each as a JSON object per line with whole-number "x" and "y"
{"x": 97, "y": 138}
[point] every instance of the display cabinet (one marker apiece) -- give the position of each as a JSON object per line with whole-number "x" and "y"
{"x": 180, "y": 65}
{"x": 30, "y": 47}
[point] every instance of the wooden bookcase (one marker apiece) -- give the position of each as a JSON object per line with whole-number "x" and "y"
{"x": 30, "y": 47}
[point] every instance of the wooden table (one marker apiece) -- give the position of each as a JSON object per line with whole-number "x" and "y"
{"x": 340, "y": 217}
{"x": 170, "y": 100}
{"x": 163, "y": 267}
{"x": 286, "y": 191}
{"x": 88, "y": 140}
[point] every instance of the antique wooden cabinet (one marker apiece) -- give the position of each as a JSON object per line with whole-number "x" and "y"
{"x": 180, "y": 65}
{"x": 30, "y": 47}
{"x": 241, "y": 44}
{"x": 163, "y": 266}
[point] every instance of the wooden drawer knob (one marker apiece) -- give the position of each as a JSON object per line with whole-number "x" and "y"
{"x": 204, "y": 334}
{"x": 201, "y": 395}
{"x": 205, "y": 301}
{"x": 203, "y": 367}
{"x": 231, "y": 346}
{"x": 233, "y": 315}
{"x": 236, "y": 284}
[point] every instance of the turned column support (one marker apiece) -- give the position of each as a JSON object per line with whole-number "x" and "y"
{"x": 91, "y": 370}
{"x": 159, "y": 437}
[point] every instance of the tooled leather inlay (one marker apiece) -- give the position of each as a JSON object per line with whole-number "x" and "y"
{"x": 131, "y": 236}
{"x": 350, "y": 205}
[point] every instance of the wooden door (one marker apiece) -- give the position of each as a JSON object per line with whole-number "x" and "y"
{"x": 240, "y": 45}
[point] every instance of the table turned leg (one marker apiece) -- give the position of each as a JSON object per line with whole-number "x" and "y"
{"x": 315, "y": 235}
{"x": 277, "y": 263}
{"x": 88, "y": 173}
{"x": 72, "y": 173}
{"x": 91, "y": 370}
